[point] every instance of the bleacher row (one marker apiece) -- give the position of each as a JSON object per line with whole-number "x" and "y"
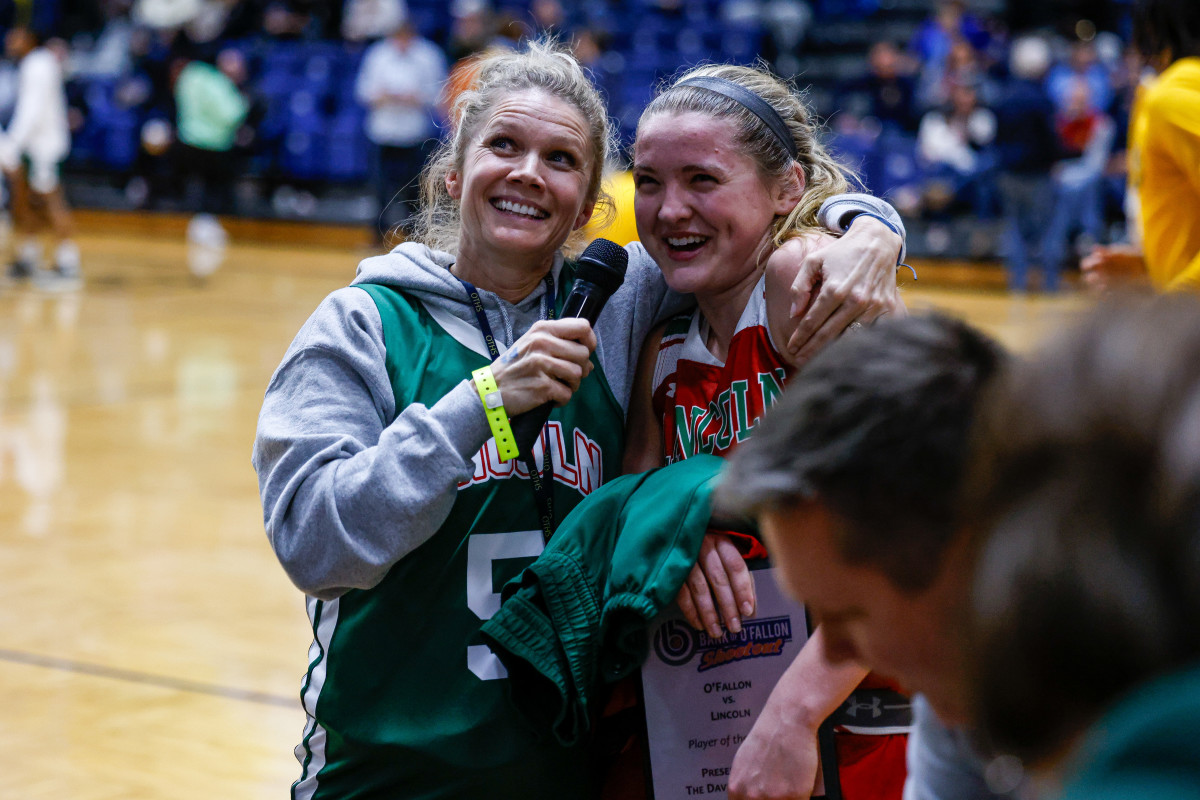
{"x": 312, "y": 131}
{"x": 313, "y": 126}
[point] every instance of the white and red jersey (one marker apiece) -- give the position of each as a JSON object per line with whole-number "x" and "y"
{"x": 709, "y": 406}
{"x": 706, "y": 405}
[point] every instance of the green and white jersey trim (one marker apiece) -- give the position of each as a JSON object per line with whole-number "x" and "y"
{"x": 322, "y": 615}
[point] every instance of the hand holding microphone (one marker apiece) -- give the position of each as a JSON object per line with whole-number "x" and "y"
{"x": 546, "y": 365}
{"x": 565, "y": 360}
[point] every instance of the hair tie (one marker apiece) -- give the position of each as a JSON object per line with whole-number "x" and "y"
{"x": 751, "y": 102}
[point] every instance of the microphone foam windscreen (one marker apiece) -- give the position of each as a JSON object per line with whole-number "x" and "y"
{"x": 603, "y": 263}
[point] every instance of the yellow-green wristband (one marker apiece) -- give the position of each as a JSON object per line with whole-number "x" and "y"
{"x": 493, "y": 407}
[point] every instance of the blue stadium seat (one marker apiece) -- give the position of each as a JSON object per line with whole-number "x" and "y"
{"x": 281, "y": 57}
{"x": 347, "y": 148}
{"x": 318, "y": 74}
{"x": 740, "y": 44}
{"x": 276, "y": 81}
{"x": 898, "y": 161}
{"x": 302, "y": 155}
{"x": 121, "y": 135}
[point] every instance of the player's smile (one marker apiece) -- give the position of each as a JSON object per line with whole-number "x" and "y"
{"x": 518, "y": 208}
{"x": 703, "y": 210}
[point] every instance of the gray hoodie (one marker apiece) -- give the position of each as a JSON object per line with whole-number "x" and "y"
{"x": 349, "y": 483}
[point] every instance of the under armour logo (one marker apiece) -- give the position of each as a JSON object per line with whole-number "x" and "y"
{"x": 853, "y": 706}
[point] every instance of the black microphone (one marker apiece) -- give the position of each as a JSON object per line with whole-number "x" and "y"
{"x": 598, "y": 273}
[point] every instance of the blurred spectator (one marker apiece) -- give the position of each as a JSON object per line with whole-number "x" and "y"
{"x": 109, "y": 55}
{"x": 209, "y": 25}
{"x": 283, "y": 19}
{"x": 367, "y": 20}
{"x": 210, "y": 110}
{"x": 589, "y": 45}
{"x": 549, "y": 18}
{"x": 1121, "y": 207}
{"x": 472, "y": 29}
{"x": 1082, "y": 65}
{"x": 32, "y": 150}
{"x": 1085, "y": 136}
{"x": 954, "y": 147}
{"x": 400, "y": 82}
{"x": 963, "y": 65}
{"x": 153, "y": 173}
{"x": 950, "y": 22}
{"x": 787, "y": 23}
{"x": 1082, "y": 128}
{"x": 887, "y": 92}
{"x": 1026, "y": 150}
{"x": 166, "y": 14}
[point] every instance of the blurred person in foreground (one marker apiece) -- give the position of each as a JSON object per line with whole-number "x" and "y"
{"x": 853, "y": 477}
{"x": 32, "y": 150}
{"x": 385, "y": 492}
{"x": 1164, "y": 157}
{"x": 1085, "y": 498}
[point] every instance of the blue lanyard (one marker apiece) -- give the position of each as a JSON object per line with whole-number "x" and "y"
{"x": 542, "y": 492}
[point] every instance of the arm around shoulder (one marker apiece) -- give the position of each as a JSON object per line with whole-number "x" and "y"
{"x": 852, "y": 279}
{"x": 783, "y": 268}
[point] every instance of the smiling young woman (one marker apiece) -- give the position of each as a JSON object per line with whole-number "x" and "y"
{"x": 703, "y": 209}
{"x": 727, "y": 168}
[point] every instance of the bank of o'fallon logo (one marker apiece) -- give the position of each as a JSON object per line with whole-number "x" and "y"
{"x": 675, "y": 643}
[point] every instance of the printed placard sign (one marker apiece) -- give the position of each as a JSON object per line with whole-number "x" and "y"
{"x": 703, "y": 694}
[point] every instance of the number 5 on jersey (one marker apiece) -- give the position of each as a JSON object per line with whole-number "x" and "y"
{"x": 492, "y": 560}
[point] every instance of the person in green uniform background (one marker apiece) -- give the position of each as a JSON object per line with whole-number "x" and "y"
{"x": 385, "y": 494}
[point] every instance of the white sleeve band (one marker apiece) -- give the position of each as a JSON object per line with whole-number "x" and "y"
{"x": 837, "y": 211}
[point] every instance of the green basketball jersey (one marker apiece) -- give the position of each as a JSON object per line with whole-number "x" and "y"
{"x": 404, "y": 699}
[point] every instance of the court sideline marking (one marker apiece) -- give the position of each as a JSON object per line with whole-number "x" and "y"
{"x": 147, "y": 679}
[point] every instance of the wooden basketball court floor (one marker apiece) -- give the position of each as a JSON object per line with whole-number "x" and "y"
{"x": 150, "y": 645}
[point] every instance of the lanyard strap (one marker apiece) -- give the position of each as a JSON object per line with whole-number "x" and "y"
{"x": 543, "y": 494}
